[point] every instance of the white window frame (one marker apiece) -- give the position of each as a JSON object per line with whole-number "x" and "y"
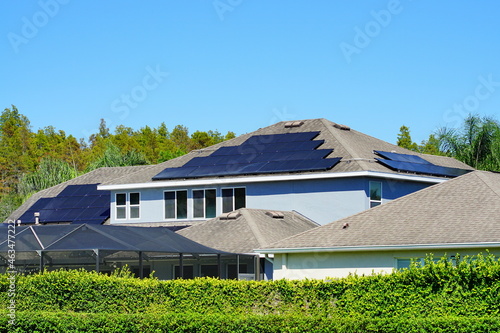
{"x": 204, "y": 202}
{"x": 127, "y": 206}
{"x": 233, "y": 196}
{"x": 130, "y": 206}
{"x": 370, "y": 200}
{"x": 175, "y": 206}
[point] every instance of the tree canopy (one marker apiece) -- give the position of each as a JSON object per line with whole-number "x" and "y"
{"x": 476, "y": 142}
{"x": 33, "y": 160}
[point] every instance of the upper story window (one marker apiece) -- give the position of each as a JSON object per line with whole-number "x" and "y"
{"x": 375, "y": 194}
{"x": 121, "y": 206}
{"x": 233, "y": 199}
{"x": 128, "y": 205}
{"x": 204, "y": 203}
{"x": 134, "y": 207}
{"x": 175, "y": 204}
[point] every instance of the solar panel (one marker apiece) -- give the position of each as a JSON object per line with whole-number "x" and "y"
{"x": 402, "y": 157}
{"x": 74, "y": 203}
{"x": 258, "y": 154}
{"x": 429, "y": 169}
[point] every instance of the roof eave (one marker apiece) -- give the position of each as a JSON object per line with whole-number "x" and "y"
{"x": 272, "y": 178}
{"x": 405, "y": 247}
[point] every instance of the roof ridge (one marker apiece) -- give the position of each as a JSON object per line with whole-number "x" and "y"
{"x": 253, "y": 226}
{"x": 480, "y": 174}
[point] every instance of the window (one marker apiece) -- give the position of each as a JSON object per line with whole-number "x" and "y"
{"x": 375, "y": 194}
{"x": 121, "y": 206}
{"x": 175, "y": 204}
{"x": 406, "y": 262}
{"x": 233, "y": 199}
{"x": 187, "y": 272}
{"x": 204, "y": 203}
{"x": 232, "y": 273}
{"x": 135, "y": 199}
{"x": 209, "y": 271}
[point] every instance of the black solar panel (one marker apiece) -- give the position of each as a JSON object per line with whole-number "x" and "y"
{"x": 75, "y": 204}
{"x": 423, "y": 168}
{"x": 290, "y": 152}
{"x": 402, "y": 157}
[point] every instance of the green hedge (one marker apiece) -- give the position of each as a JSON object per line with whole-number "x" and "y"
{"x": 144, "y": 323}
{"x": 464, "y": 294}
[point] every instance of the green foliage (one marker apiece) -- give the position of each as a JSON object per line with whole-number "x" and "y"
{"x": 404, "y": 139}
{"x": 190, "y": 322}
{"x": 440, "y": 296}
{"x": 477, "y": 143}
{"x": 113, "y": 157}
{"x": 50, "y": 172}
{"x": 31, "y": 161}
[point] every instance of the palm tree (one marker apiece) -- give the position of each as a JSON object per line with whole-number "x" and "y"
{"x": 477, "y": 143}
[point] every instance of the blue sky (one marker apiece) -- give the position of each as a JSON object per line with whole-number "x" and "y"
{"x": 238, "y": 65}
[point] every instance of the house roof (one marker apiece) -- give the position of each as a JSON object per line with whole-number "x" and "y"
{"x": 246, "y": 229}
{"x": 104, "y": 237}
{"x": 463, "y": 211}
{"x": 355, "y": 148}
{"x": 93, "y": 177}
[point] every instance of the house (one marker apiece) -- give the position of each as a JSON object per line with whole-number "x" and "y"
{"x": 246, "y": 229}
{"x": 313, "y": 168}
{"x": 321, "y": 169}
{"x": 461, "y": 216}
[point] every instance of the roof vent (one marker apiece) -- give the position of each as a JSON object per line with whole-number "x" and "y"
{"x": 342, "y": 127}
{"x": 275, "y": 215}
{"x": 230, "y": 216}
{"x": 289, "y": 124}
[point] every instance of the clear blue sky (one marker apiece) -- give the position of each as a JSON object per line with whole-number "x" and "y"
{"x": 240, "y": 65}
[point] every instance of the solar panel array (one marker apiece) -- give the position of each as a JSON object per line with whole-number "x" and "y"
{"x": 75, "y": 204}
{"x": 416, "y": 164}
{"x": 259, "y": 154}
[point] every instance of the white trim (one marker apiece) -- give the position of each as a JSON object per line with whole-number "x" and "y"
{"x": 381, "y": 248}
{"x": 130, "y": 206}
{"x": 272, "y": 178}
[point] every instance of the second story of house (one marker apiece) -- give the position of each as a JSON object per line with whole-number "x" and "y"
{"x": 318, "y": 168}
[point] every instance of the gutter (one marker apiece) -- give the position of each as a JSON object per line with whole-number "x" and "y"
{"x": 380, "y": 248}
{"x": 263, "y": 179}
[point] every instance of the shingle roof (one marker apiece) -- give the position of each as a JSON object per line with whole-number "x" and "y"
{"x": 464, "y": 210}
{"x": 252, "y": 229}
{"x": 96, "y": 176}
{"x": 355, "y": 148}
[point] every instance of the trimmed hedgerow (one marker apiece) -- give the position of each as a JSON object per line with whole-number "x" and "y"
{"x": 189, "y": 322}
{"x": 438, "y": 297}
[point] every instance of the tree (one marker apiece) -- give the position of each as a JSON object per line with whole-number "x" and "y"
{"x": 15, "y": 153}
{"x": 477, "y": 143}
{"x": 50, "y": 172}
{"x": 404, "y": 139}
{"x": 113, "y": 157}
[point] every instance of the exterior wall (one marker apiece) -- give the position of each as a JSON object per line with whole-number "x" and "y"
{"x": 322, "y": 265}
{"x": 323, "y": 201}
